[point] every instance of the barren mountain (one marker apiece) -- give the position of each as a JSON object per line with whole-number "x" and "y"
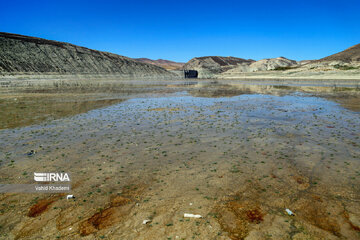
{"x": 212, "y": 65}
{"x": 349, "y": 55}
{"x": 168, "y": 65}
{"x": 345, "y": 61}
{"x": 36, "y": 55}
{"x": 272, "y": 64}
{"x": 279, "y": 63}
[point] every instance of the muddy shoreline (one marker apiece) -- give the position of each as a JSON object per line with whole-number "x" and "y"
{"x": 236, "y": 153}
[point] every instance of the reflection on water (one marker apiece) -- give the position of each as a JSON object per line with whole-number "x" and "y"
{"x": 348, "y": 97}
{"x": 23, "y": 111}
{"x": 351, "y": 102}
{"x": 27, "y": 109}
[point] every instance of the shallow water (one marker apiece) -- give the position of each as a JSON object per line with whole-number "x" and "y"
{"x": 18, "y": 109}
{"x": 238, "y": 158}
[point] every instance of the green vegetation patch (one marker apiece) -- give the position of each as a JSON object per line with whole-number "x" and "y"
{"x": 282, "y": 68}
{"x": 345, "y": 67}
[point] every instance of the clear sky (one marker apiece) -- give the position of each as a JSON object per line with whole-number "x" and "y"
{"x": 180, "y": 30}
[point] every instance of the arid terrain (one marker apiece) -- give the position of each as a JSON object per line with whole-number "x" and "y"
{"x": 238, "y": 153}
{"x": 23, "y": 57}
{"x": 342, "y": 65}
{"x": 23, "y": 54}
{"x": 266, "y": 149}
{"x": 168, "y": 65}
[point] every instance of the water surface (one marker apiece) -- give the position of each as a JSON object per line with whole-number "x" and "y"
{"x": 239, "y": 156}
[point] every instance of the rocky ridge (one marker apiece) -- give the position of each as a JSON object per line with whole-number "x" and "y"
{"x": 24, "y": 54}
{"x": 279, "y": 63}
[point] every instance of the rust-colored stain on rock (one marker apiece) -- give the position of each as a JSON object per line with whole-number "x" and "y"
{"x": 40, "y": 207}
{"x": 115, "y": 213}
{"x": 236, "y": 217}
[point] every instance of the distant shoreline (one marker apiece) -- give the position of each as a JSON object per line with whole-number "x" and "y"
{"x": 114, "y": 83}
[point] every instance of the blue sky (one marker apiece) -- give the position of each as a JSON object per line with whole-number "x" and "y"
{"x": 181, "y": 30}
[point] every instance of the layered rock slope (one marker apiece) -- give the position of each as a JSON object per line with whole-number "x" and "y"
{"x": 19, "y": 54}
{"x": 268, "y": 64}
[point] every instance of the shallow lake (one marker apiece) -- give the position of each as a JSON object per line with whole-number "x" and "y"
{"x": 237, "y": 154}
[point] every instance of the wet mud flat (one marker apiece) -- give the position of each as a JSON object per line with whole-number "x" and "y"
{"x": 26, "y": 106}
{"x": 238, "y": 158}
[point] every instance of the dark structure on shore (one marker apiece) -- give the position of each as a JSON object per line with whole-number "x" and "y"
{"x": 190, "y": 73}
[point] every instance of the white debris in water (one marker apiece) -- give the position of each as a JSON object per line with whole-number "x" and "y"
{"x": 189, "y": 215}
{"x": 69, "y": 197}
{"x": 289, "y": 212}
{"x": 191, "y": 204}
{"x": 146, "y": 221}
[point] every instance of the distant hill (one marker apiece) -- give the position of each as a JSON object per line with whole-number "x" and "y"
{"x": 168, "y": 65}
{"x": 211, "y": 65}
{"x": 267, "y": 64}
{"x": 272, "y": 64}
{"x": 20, "y": 53}
{"x": 351, "y": 54}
